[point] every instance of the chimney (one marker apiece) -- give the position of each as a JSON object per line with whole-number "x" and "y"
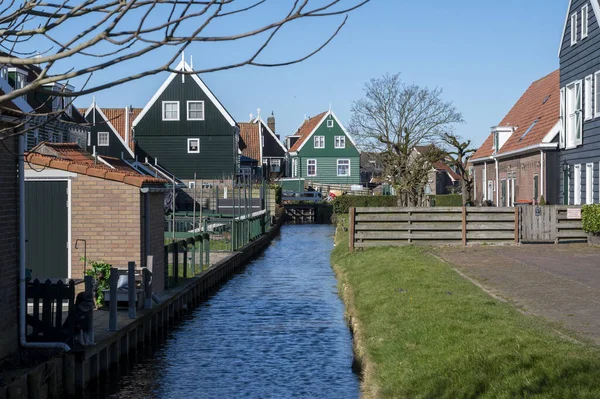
{"x": 271, "y": 122}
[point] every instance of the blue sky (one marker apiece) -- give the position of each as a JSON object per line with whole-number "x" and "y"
{"x": 483, "y": 54}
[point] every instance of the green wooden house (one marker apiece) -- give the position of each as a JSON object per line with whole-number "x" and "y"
{"x": 322, "y": 151}
{"x": 187, "y": 130}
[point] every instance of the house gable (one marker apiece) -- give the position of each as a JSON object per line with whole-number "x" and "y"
{"x": 307, "y": 147}
{"x": 117, "y": 147}
{"x": 272, "y": 148}
{"x": 575, "y": 7}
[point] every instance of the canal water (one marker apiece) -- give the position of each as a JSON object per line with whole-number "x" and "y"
{"x": 276, "y": 330}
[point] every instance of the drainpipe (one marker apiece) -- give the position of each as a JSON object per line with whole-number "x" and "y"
{"x": 542, "y": 185}
{"x": 22, "y": 295}
{"x": 146, "y": 192}
{"x": 497, "y": 185}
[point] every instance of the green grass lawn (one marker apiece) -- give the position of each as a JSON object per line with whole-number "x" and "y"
{"x": 423, "y": 331}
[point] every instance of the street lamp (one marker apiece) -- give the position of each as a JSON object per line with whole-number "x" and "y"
{"x": 565, "y": 166}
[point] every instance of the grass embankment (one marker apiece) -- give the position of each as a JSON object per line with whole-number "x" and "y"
{"x": 423, "y": 331}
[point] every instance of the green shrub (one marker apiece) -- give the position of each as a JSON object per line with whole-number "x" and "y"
{"x": 100, "y": 271}
{"x": 590, "y": 215}
{"x": 342, "y": 204}
{"x": 278, "y": 192}
{"x": 446, "y": 200}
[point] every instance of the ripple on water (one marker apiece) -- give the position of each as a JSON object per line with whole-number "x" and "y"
{"x": 276, "y": 330}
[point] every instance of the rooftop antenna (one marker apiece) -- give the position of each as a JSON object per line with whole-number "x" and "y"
{"x": 329, "y": 107}
{"x": 251, "y": 116}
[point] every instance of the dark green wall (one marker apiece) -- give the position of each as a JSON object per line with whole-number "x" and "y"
{"x": 329, "y": 151}
{"x": 167, "y": 140}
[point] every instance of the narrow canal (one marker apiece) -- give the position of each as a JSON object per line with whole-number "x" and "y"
{"x": 276, "y": 330}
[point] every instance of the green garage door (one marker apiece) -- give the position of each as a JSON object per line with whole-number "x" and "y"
{"x": 46, "y": 228}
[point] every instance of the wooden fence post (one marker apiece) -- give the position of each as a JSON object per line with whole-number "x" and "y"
{"x": 112, "y": 313}
{"x": 147, "y": 275}
{"x": 464, "y": 226}
{"x": 131, "y": 289}
{"x": 351, "y": 227}
{"x": 517, "y": 225}
{"x": 89, "y": 290}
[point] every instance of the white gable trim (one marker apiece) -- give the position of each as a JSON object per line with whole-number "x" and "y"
{"x": 552, "y": 133}
{"x": 116, "y": 133}
{"x": 265, "y": 126}
{"x": 183, "y": 66}
{"x": 320, "y": 123}
{"x": 595, "y": 6}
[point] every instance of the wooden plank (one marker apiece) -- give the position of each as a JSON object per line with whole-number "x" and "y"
{"x": 399, "y": 235}
{"x": 373, "y": 244}
{"x": 489, "y": 210}
{"x": 471, "y": 226}
{"x": 410, "y": 209}
{"x": 572, "y": 234}
{"x": 464, "y": 225}
{"x": 516, "y": 232}
{"x": 405, "y": 218}
{"x": 570, "y": 225}
{"x": 486, "y": 235}
{"x": 452, "y": 226}
{"x": 351, "y": 227}
{"x": 481, "y": 217}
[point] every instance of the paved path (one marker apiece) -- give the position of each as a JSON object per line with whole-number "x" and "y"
{"x": 558, "y": 282}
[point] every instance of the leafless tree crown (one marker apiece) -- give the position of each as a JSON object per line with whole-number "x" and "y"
{"x": 71, "y": 39}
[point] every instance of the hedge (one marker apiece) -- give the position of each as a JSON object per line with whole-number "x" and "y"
{"x": 446, "y": 200}
{"x": 343, "y": 204}
{"x": 590, "y": 215}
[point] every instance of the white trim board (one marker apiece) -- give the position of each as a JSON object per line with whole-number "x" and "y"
{"x": 19, "y": 102}
{"x": 319, "y": 125}
{"x": 183, "y": 66}
{"x": 595, "y": 6}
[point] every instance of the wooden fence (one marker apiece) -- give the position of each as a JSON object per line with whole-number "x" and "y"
{"x": 373, "y": 227}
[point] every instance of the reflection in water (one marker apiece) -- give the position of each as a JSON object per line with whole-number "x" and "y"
{"x": 274, "y": 331}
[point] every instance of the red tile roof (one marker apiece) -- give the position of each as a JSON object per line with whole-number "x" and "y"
{"x": 304, "y": 131}
{"x": 540, "y": 102}
{"x": 116, "y": 116}
{"x": 70, "y": 157}
{"x": 249, "y": 135}
{"x": 444, "y": 167}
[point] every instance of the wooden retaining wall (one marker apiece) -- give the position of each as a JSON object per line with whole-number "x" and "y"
{"x": 375, "y": 227}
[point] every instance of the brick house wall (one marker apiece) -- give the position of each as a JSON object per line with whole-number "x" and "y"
{"x": 109, "y": 215}
{"x": 525, "y": 167}
{"x": 9, "y": 240}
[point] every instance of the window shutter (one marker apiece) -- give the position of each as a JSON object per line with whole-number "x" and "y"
{"x": 563, "y": 119}
{"x": 578, "y": 114}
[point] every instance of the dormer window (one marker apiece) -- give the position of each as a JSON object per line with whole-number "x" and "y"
{"x": 496, "y": 141}
{"x": 4, "y": 73}
{"x": 574, "y": 29}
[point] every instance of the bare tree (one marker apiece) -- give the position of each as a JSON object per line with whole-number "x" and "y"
{"x": 458, "y": 152}
{"x": 395, "y": 118}
{"x": 75, "y": 39}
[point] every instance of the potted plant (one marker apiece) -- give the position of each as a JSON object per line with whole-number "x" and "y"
{"x": 590, "y": 217}
{"x": 100, "y": 271}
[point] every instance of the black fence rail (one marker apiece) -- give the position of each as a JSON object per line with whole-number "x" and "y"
{"x": 52, "y": 324}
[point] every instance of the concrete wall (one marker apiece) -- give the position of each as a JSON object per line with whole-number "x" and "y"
{"x": 9, "y": 239}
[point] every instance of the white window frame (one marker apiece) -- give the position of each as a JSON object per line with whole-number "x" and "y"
{"x": 197, "y": 151}
{"x": 319, "y": 140}
{"x": 330, "y": 123}
{"x": 584, "y": 21}
{"x": 188, "y": 103}
{"x": 596, "y": 94}
{"x": 294, "y": 167}
{"x": 574, "y": 29}
{"x": 589, "y": 183}
{"x": 192, "y": 185}
{"x": 340, "y": 142}
{"x": 163, "y": 111}
{"x": 573, "y": 117}
{"x": 308, "y": 164}
{"x": 338, "y": 168}
{"x": 101, "y": 142}
{"x": 587, "y": 99}
{"x": 577, "y": 184}
{"x": 276, "y": 162}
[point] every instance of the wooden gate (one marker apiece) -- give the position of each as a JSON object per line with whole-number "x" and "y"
{"x": 538, "y": 223}
{"x": 550, "y": 223}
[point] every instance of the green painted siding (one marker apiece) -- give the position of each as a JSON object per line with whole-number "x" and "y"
{"x": 211, "y": 163}
{"x": 167, "y": 140}
{"x": 327, "y": 170}
{"x": 309, "y": 149}
{"x": 327, "y": 157}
